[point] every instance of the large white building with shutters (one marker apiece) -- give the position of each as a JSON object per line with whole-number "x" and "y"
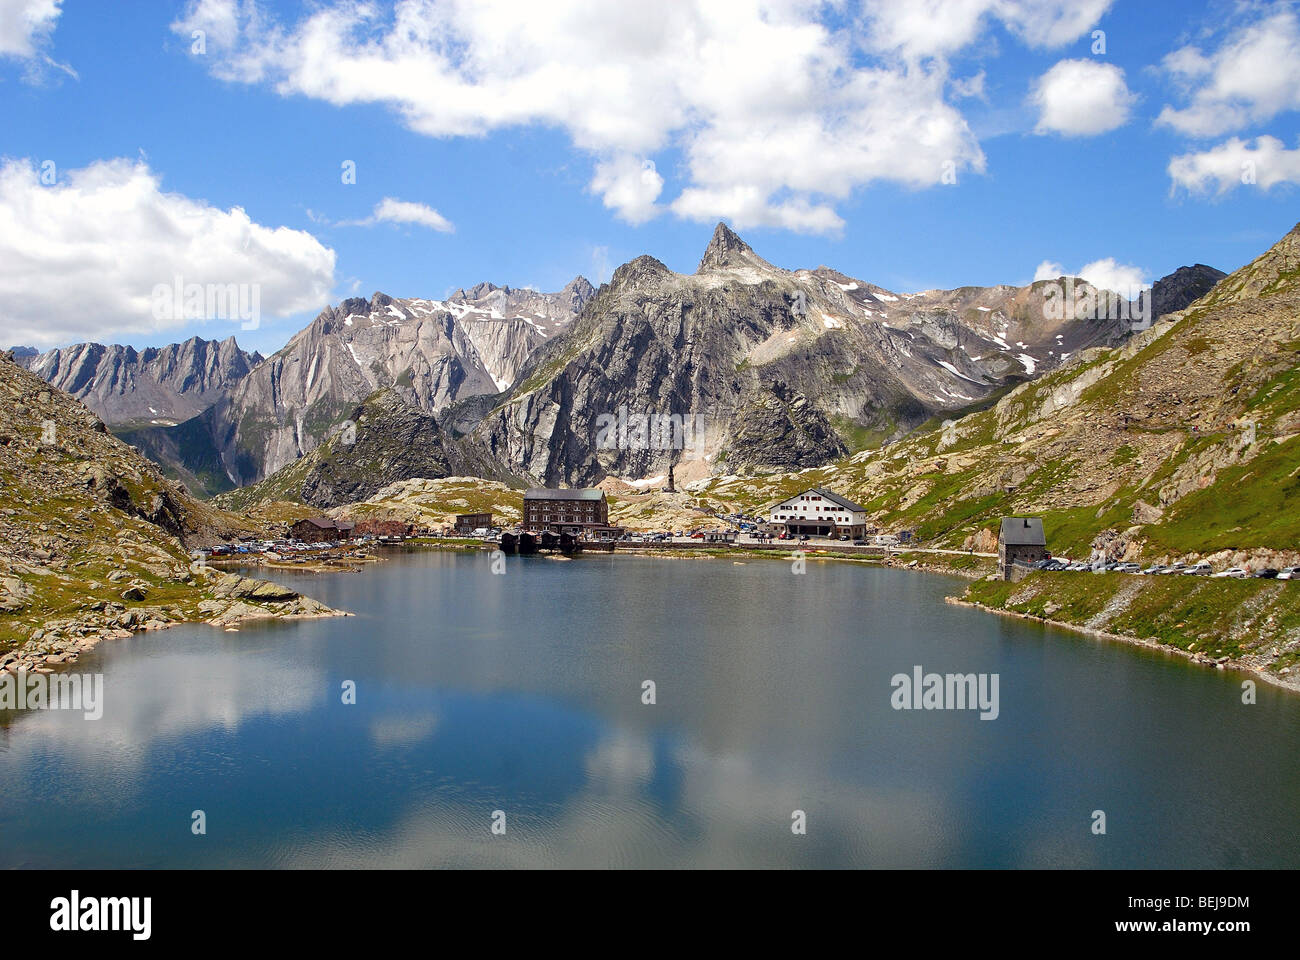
{"x": 819, "y": 513}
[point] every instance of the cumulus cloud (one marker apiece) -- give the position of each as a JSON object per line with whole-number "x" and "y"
{"x": 770, "y": 101}
{"x": 26, "y": 26}
{"x": 1105, "y": 274}
{"x": 392, "y": 210}
{"x": 1082, "y": 98}
{"x": 928, "y": 28}
{"x": 629, "y": 186}
{"x": 1236, "y": 163}
{"x": 1252, "y": 77}
{"x": 82, "y": 259}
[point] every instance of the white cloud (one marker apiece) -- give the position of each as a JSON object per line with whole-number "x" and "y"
{"x": 629, "y": 186}
{"x": 771, "y": 102}
{"x": 1082, "y": 98}
{"x": 1105, "y": 274}
{"x": 26, "y": 26}
{"x": 80, "y": 259}
{"x": 1235, "y": 163}
{"x": 392, "y": 210}
{"x": 929, "y": 28}
{"x": 1251, "y": 78}
{"x": 747, "y": 206}
{"x": 970, "y": 87}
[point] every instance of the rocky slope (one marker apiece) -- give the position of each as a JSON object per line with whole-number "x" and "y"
{"x": 93, "y": 540}
{"x": 777, "y": 369}
{"x": 162, "y": 386}
{"x": 385, "y": 440}
{"x": 437, "y": 351}
{"x": 1138, "y": 451}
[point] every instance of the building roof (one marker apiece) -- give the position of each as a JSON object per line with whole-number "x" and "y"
{"x": 830, "y": 495}
{"x": 325, "y": 523}
{"x": 548, "y": 493}
{"x": 1022, "y": 532}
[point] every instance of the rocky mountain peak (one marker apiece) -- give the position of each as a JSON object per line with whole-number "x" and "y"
{"x": 726, "y": 249}
{"x": 478, "y": 291}
{"x": 23, "y": 356}
{"x": 1183, "y": 287}
{"x": 644, "y": 268}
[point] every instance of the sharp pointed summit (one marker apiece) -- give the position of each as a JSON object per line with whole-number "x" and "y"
{"x": 726, "y": 249}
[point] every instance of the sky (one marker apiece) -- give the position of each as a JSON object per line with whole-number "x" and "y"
{"x": 232, "y": 167}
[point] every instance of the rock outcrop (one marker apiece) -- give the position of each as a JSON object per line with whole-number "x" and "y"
{"x": 94, "y": 540}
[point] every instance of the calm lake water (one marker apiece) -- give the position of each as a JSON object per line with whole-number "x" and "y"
{"x": 522, "y": 693}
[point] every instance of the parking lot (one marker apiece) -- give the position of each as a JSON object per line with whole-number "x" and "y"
{"x": 1202, "y": 569}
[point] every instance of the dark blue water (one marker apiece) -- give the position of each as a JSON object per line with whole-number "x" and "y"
{"x": 522, "y": 693}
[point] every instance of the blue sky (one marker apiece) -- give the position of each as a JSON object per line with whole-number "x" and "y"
{"x": 803, "y": 140}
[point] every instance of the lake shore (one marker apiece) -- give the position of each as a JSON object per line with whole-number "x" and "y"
{"x": 1290, "y": 682}
{"x": 229, "y": 601}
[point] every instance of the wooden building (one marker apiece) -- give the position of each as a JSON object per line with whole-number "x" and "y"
{"x": 577, "y": 512}
{"x": 322, "y": 530}
{"x": 1021, "y": 540}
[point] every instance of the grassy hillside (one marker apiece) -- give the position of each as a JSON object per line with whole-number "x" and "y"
{"x": 93, "y": 539}
{"x": 1253, "y": 622}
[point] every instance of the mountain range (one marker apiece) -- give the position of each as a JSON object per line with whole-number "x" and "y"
{"x": 769, "y": 369}
{"x": 160, "y": 386}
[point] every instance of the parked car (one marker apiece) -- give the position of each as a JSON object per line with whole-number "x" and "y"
{"x": 1289, "y": 573}
{"x": 1077, "y": 567}
{"x": 1201, "y": 569}
{"x": 1128, "y": 568}
{"x": 1235, "y": 573}
{"x": 1153, "y": 570}
{"x": 1268, "y": 573}
{"x": 859, "y": 543}
{"x": 1178, "y": 567}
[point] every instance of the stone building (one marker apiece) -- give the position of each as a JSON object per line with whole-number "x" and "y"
{"x": 577, "y": 512}
{"x": 1021, "y": 540}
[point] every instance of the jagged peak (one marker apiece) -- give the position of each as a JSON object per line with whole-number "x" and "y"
{"x": 478, "y": 291}
{"x": 644, "y": 267}
{"x": 725, "y": 249}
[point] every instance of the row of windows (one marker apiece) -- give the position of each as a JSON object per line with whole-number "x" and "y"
{"x": 795, "y": 516}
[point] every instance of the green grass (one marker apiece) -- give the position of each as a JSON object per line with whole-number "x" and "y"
{"x": 1214, "y": 617}
{"x": 1221, "y": 517}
